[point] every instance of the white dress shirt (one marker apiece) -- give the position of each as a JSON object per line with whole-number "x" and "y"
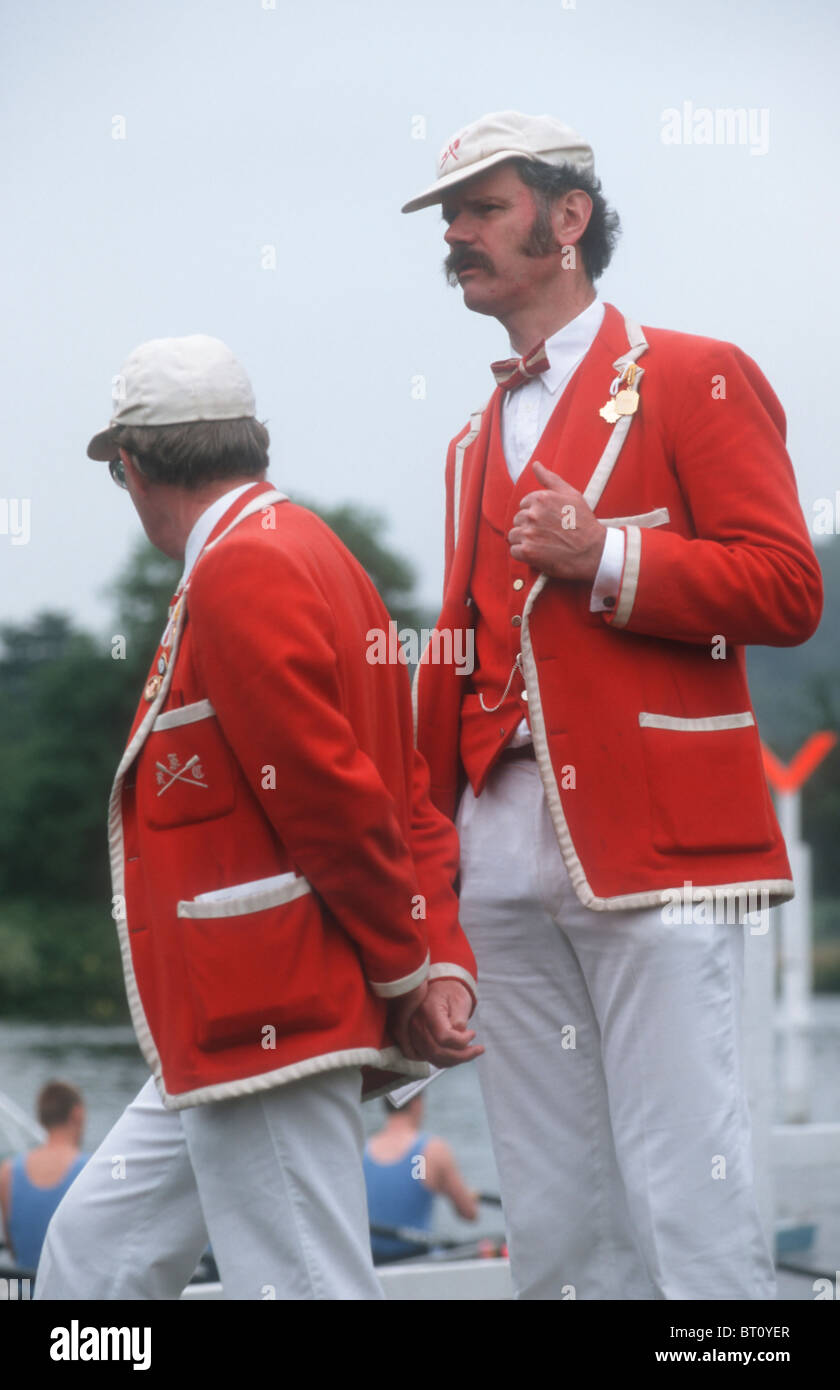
{"x": 525, "y": 414}
{"x": 205, "y": 523}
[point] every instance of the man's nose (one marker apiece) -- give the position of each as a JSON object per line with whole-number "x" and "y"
{"x": 459, "y": 230}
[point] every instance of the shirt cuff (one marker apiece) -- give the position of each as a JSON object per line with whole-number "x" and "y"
{"x": 608, "y": 579}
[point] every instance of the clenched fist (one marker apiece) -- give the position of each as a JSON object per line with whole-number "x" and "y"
{"x": 556, "y": 531}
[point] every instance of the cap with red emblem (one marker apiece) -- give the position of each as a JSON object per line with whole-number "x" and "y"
{"x": 499, "y": 136}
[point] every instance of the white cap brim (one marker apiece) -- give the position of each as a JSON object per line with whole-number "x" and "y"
{"x": 441, "y": 187}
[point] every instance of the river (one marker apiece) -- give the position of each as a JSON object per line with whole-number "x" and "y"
{"x": 104, "y": 1062}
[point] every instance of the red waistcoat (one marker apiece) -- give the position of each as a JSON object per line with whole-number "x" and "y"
{"x": 499, "y": 588}
{"x": 641, "y": 717}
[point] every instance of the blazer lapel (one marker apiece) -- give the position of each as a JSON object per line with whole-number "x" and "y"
{"x": 576, "y": 437}
{"x": 577, "y": 444}
{"x": 470, "y": 470}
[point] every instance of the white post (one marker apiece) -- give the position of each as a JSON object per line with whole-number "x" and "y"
{"x": 759, "y": 1071}
{"x": 795, "y": 968}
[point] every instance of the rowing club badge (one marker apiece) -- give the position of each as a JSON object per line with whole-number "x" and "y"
{"x": 170, "y": 772}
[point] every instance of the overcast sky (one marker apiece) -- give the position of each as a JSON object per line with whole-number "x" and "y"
{"x": 249, "y": 126}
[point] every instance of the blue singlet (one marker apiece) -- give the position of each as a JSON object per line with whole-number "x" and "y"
{"x": 30, "y": 1209}
{"x": 398, "y": 1198}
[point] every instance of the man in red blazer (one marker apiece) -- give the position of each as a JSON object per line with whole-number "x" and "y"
{"x": 283, "y": 886}
{"x": 622, "y": 518}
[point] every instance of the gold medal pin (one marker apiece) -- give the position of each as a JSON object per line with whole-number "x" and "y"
{"x": 627, "y": 400}
{"x": 624, "y": 399}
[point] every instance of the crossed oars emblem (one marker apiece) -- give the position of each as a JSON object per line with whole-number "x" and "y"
{"x": 177, "y": 775}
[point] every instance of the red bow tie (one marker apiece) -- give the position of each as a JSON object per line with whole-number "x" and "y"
{"x": 513, "y": 372}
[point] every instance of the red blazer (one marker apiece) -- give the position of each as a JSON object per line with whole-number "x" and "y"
{"x": 273, "y": 747}
{"x": 641, "y": 718}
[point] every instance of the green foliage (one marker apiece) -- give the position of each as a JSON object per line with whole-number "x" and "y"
{"x": 60, "y": 961}
{"x": 361, "y": 531}
{"x": 142, "y": 594}
{"x": 58, "y": 738}
{"x": 796, "y": 691}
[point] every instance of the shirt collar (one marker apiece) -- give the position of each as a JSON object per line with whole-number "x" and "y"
{"x": 205, "y": 523}
{"x": 571, "y": 343}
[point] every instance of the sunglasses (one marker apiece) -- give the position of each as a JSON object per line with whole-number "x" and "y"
{"x": 117, "y": 471}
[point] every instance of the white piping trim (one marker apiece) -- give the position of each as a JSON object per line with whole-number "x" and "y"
{"x": 446, "y": 970}
{"x": 780, "y": 889}
{"x": 386, "y": 1059}
{"x": 637, "y": 340}
{"x": 541, "y": 750}
{"x": 415, "y": 715}
{"x": 256, "y": 504}
{"x": 708, "y": 723}
{"x": 392, "y": 989}
{"x": 246, "y": 903}
{"x": 187, "y": 714}
{"x": 116, "y": 840}
{"x": 655, "y": 518}
{"x": 630, "y": 577}
{"x": 618, "y": 434}
{"x": 460, "y": 447}
{"x": 606, "y": 463}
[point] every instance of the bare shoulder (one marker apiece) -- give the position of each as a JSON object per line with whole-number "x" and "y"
{"x": 439, "y": 1159}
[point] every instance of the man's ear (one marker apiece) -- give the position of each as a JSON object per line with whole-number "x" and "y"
{"x": 570, "y": 216}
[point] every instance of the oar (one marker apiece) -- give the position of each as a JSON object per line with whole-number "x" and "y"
{"x": 423, "y": 1240}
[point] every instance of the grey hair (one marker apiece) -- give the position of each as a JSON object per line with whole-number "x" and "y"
{"x": 550, "y": 181}
{"x": 200, "y": 452}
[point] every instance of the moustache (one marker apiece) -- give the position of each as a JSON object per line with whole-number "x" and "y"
{"x": 460, "y": 258}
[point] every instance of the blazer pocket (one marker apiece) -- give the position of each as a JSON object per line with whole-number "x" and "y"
{"x": 257, "y": 961}
{"x": 184, "y": 773}
{"x": 706, "y": 783}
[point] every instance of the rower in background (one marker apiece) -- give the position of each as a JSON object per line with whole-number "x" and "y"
{"x": 33, "y": 1184}
{"x": 405, "y": 1168}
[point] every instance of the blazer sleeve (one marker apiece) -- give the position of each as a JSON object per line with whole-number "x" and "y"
{"x": 750, "y": 573}
{"x": 434, "y": 843}
{"x": 262, "y": 636}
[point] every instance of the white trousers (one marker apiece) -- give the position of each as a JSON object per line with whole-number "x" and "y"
{"x": 274, "y": 1180}
{"x": 612, "y": 1075}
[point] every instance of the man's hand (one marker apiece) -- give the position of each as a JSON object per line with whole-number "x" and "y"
{"x": 556, "y": 531}
{"x": 400, "y": 1011}
{"x": 439, "y": 1029}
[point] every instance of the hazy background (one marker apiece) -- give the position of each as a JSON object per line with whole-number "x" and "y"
{"x": 249, "y": 127}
